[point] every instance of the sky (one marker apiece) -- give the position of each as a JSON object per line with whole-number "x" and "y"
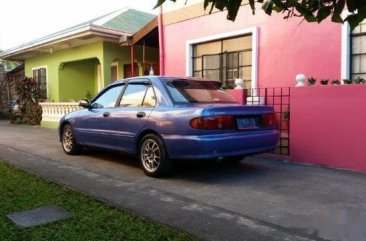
{"x": 25, "y": 20}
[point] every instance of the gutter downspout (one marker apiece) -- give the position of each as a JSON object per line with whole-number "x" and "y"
{"x": 161, "y": 41}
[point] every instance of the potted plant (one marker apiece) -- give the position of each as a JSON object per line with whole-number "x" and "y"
{"x": 336, "y": 82}
{"x": 311, "y": 81}
{"x": 347, "y": 81}
{"x": 324, "y": 81}
{"x": 359, "y": 80}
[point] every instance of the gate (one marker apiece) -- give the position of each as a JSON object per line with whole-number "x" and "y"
{"x": 279, "y": 98}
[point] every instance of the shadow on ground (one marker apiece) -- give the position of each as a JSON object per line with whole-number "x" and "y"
{"x": 202, "y": 171}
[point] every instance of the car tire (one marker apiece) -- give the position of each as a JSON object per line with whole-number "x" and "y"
{"x": 153, "y": 157}
{"x": 68, "y": 141}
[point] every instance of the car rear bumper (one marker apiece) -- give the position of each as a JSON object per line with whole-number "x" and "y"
{"x": 221, "y": 145}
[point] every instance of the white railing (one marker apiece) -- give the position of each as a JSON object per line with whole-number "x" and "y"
{"x": 53, "y": 111}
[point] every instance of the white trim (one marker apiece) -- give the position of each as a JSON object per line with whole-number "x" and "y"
{"x": 46, "y": 40}
{"x": 66, "y": 36}
{"x": 253, "y": 31}
{"x": 345, "y": 49}
{"x": 255, "y": 44}
{"x": 117, "y": 65}
{"x": 43, "y": 67}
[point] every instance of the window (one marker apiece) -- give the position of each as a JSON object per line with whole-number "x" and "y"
{"x": 150, "y": 99}
{"x": 138, "y": 95}
{"x": 195, "y": 91}
{"x": 358, "y": 55}
{"x": 108, "y": 98}
{"x": 224, "y": 60}
{"x": 114, "y": 71}
{"x": 40, "y": 75}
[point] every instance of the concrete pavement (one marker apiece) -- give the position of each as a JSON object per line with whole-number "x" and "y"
{"x": 258, "y": 199}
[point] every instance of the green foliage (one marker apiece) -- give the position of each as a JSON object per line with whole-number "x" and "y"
{"x": 88, "y": 95}
{"x": 359, "y": 80}
{"x": 30, "y": 112}
{"x": 311, "y": 81}
{"x": 309, "y": 10}
{"x": 347, "y": 81}
{"x": 8, "y": 65}
{"x": 91, "y": 219}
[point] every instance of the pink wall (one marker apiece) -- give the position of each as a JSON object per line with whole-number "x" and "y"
{"x": 286, "y": 47}
{"x": 328, "y": 126}
{"x": 238, "y": 95}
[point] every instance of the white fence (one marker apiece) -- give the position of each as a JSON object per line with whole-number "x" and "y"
{"x": 53, "y": 111}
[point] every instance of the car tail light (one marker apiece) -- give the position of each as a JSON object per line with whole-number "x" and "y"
{"x": 213, "y": 123}
{"x": 269, "y": 120}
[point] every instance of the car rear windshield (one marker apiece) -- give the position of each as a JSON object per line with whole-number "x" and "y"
{"x": 196, "y": 91}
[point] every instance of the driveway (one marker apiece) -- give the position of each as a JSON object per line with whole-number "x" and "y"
{"x": 258, "y": 199}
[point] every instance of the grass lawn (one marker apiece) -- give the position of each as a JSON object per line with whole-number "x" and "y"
{"x": 91, "y": 220}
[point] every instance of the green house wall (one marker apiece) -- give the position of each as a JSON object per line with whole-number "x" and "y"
{"x": 55, "y": 61}
{"x": 77, "y": 80}
{"x": 72, "y": 73}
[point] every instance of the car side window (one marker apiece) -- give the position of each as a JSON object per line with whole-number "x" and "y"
{"x": 137, "y": 95}
{"x": 108, "y": 99}
{"x": 150, "y": 99}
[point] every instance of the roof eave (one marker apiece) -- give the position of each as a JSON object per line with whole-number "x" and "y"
{"x": 76, "y": 33}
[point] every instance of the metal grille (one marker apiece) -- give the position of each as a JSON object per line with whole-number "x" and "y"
{"x": 41, "y": 76}
{"x": 279, "y": 98}
{"x": 224, "y": 60}
{"x": 225, "y": 67}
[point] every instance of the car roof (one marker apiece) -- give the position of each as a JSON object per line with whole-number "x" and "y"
{"x": 152, "y": 77}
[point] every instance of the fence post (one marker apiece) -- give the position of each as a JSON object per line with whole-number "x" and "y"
{"x": 265, "y": 96}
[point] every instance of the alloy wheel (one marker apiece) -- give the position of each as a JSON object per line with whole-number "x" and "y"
{"x": 150, "y": 155}
{"x": 67, "y": 140}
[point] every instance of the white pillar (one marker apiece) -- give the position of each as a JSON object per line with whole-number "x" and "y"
{"x": 300, "y": 80}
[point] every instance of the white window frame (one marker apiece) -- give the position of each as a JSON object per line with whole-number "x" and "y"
{"x": 346, "y": 48}
{"x": 43, "y": 67}
{"x": 253, "y": 31}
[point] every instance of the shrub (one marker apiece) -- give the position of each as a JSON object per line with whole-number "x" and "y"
{"x": 30, "y": 112}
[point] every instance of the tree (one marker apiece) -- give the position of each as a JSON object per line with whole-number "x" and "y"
{"x": 8, "y": 65}
{"x": 309, "y": 10}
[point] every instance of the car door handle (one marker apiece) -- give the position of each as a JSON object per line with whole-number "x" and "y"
{"x": 106, "y": 114}
{"x": 141, "y": 115}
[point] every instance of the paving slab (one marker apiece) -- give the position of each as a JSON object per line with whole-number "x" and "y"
{"x": 39, "y": 216}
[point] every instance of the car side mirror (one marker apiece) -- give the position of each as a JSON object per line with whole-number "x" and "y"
{"x": 84, "y": 103}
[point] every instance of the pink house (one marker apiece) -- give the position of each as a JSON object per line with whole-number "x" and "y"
{"x": 272, "y": 51}
{"x": 268, "y": 51}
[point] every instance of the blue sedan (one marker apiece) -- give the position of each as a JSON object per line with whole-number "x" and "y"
{"x": 164, "y": 118}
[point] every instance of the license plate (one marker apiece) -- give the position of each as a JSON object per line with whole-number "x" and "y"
{"x": 246, "y": 123}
